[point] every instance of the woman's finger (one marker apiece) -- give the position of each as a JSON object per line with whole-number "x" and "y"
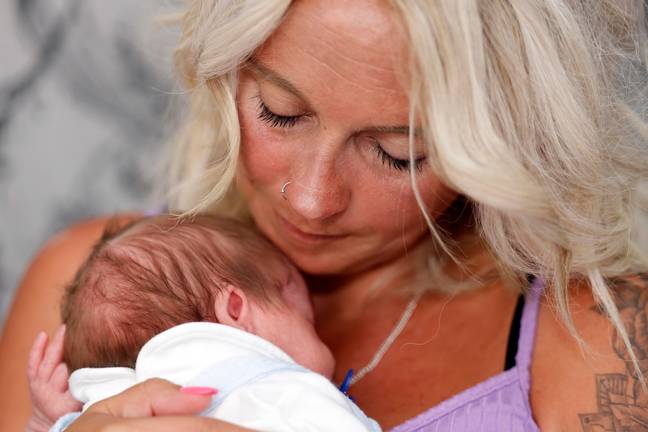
{"x": 154, "y": 397}
{"x": 53, "y": 355}
{"x": 36, "y": 355}
{"x": 136, "y": 409}
{"x": 98, "y": 422}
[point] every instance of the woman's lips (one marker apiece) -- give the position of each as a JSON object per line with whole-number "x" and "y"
{"x": 306, "y": 237}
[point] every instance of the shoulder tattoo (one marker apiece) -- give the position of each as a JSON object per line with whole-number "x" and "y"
{"x": 622, "y": 404}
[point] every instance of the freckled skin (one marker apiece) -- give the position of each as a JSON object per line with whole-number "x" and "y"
{"x": 345, "y": 61}
{"x": 344, "y": 57}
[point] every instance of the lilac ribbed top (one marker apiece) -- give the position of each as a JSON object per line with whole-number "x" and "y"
{"x": 499, "y": 404}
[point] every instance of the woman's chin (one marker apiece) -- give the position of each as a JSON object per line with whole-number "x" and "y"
{"x": 319, "y": 266}
{"x": 332, "y": 263}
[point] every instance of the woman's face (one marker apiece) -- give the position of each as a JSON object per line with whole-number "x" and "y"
{"x": 322, "y": 106}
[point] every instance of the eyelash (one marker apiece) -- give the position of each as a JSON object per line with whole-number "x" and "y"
{"x": 276, "y": 120}
{"x": 397, "y": 164}
{"x": 279, "y": 121}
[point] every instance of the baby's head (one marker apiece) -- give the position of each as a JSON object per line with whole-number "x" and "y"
{"x": 162, "y": 271}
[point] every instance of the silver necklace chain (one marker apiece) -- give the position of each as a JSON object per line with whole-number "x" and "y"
{"x": 389, "y": 341}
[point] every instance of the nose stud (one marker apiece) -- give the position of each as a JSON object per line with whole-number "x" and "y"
{"x": 283, "y": 190}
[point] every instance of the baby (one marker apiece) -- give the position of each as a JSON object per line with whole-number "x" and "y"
{"x": 202, "y": 302}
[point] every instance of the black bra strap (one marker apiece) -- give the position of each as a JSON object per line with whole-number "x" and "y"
{"x": 514, "y": 335}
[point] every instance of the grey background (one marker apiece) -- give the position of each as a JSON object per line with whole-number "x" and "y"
{"x": 84, "y": 91}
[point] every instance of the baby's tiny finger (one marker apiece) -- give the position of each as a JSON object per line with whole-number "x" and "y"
{"x": 69, "y": 403}
{"x": 53, "y": 354}
{"x": 59, "y": 380}
{"x": 36, "y": 354}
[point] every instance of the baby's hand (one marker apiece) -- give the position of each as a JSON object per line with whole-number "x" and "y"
{"x": 48, "y": 383}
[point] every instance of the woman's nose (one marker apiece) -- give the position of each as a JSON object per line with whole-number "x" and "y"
{"x": 317, "y": 193}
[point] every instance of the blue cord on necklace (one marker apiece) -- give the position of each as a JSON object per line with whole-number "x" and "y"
{"x": 346, "y": 383}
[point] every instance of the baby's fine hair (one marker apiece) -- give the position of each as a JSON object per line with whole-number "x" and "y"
{"x": 156, "y": 273}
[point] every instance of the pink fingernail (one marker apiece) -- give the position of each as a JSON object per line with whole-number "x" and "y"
{"x": 199, "y": 391}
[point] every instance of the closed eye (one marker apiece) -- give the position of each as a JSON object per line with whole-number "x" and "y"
{"x": 395, "y": 163}
{"x": 276, "y": 120}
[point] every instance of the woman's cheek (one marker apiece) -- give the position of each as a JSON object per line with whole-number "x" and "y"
{"x": 263, "y": 154}
{"x": 437, "y": 197}
{"x": 398, "y": 209}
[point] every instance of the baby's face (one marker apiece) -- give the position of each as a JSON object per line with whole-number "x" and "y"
{"x": 292, "y": 327}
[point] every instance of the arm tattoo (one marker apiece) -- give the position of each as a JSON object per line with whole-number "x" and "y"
{"x": 622, "y": 403}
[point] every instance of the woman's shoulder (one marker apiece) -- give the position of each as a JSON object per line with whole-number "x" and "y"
{"x": 52, "y": 267}
{"x": 576, "y": 387}
{"x": 66, "y": 249}
{"x": 59, "y": 258}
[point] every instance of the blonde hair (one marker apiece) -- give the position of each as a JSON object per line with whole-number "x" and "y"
{"x": 525, "y": 106}
{"x": 217, "y": 37}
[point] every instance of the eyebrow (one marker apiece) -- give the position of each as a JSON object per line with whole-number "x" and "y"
{"x": 401, "y": 130}
{"x": 283, "y": 83}
{"x": 275, "y": 78}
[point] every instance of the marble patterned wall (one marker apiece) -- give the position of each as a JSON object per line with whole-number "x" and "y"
{"x": 84, "y": 91}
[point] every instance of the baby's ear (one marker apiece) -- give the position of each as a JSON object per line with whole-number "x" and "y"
{"x": 233, "y": 308}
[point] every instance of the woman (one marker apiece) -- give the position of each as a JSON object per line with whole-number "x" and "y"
{"x": 389, "y": 147}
